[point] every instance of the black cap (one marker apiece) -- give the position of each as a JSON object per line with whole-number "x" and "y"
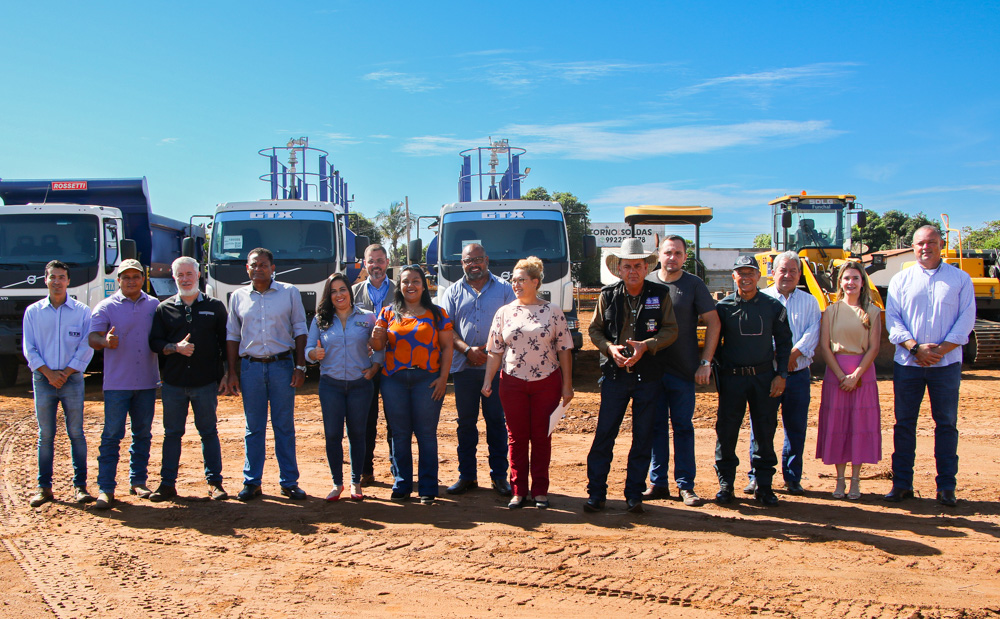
{"x": 745, "y": 261}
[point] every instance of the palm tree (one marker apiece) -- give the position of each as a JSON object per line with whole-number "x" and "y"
{"x": 393, "y": 224}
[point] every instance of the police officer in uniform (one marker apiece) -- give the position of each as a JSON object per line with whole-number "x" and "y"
{"x": 755, "y": 336}
{"x": 634, "y": 320}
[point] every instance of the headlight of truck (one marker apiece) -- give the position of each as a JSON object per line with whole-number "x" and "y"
{"x": 572, "y": 323}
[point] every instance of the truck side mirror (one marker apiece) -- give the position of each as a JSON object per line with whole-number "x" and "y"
{"x": 129, "y": 252}
{"x": 360, "y": 244}
{"x": 188, "y": 247}
{"x": 589, "y": 246}
{"x": 786, "y": 219}
{"x": 862, "y": 219}
{"x": 414, "y": 251}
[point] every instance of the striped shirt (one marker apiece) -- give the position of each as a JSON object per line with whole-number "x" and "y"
{"x": 267, "y": 323}
{"x": 804, "y": 319}
{"x": 931, "y": 306}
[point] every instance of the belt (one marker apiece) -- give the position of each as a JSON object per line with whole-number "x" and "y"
{"x": 805, "y": 369}
{"x": 271, "y": 359}
{"x": 748, "y": 370}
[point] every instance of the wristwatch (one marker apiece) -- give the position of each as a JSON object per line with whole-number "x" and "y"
{"x": 301, "y": 368}
{"x": 704, "y": 363}
{"x": 914, "y": 350}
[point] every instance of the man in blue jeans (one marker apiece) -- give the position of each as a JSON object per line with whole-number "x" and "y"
{"x": 189, "y": 334}
{"x": 930, "y": 311}
{"x": 472, "y": 303}
{"x": 803, "y": 318}
{"x": 266, "y": 336}
{"x": 633, "y": 324}
{"x": 120, "y": 327}
{"x": 55, "y": 345}
{"x": 683, "y": 367}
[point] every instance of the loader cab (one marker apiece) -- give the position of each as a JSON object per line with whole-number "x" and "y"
{"x": 806, "y": 222}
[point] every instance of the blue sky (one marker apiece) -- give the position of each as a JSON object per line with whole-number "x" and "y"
{"x": 725, "y": 104}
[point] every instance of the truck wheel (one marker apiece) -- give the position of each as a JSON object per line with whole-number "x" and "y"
{"x": 8, "y": 372}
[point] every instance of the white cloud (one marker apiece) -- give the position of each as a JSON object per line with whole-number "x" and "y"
{"x": 876, "y": 173}
{"x": 723, "y": 197}
{"x": 339, "y": 138}
{"x": 431, "y": 145}
{"x": 165, "y": 141}
{"x": 810, "y": 73}
{"x": 951, "y": 189}
{"x": 514, "y": 74}
{"x": 610, "y": 141}
{"x": 407, "y": 82}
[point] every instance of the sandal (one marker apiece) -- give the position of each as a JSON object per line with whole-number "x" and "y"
{"x": 855, "y": 492}
{"x": 838, "y": 492}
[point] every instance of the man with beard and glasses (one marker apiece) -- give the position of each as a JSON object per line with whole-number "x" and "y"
{"x": 189, "y": 334}
{"x": 472, "y": 303}
{"x": 372, "y": 294}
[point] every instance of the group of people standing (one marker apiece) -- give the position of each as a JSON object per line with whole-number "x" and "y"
{"x": 508, "y": 352}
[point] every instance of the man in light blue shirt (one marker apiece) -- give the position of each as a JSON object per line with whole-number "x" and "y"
{"x": 804, "y": 319}
{"x": 266, "y": 338}
{"x": 930, "y": 311}
{"x": 55, "y": 345}
{"x": 472, "y": 303}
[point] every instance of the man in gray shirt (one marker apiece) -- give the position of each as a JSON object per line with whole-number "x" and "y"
{"x": 266, "y": 338}
{"x": 683, "y": 367}
{"x": 372, "y": 294}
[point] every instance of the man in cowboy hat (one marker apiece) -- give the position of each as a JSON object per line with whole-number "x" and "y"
{"x": 755, "y": 335}
{"x": 633, "y": 321}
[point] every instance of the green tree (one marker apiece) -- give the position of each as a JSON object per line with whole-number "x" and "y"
{"x": 363, "y": 226}
{"x": 890, "y": 230}
{"x": 986, "y": 237}
{"x": 762, "y": 241}
{"x": 588, "y": 272}
{"x": 393, "y": 224}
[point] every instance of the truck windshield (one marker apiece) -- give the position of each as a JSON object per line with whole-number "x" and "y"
{"x": 296, "y": 235}
{"x": 27, "y": 240}
{"x": 506, "y": 235}
{"x": 813, "y": 228}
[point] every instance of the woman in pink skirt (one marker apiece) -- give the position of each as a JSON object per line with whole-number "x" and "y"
{"x": 850, "y": 428}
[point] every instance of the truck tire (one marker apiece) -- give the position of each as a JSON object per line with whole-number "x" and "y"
{"x": 8, "y": 371}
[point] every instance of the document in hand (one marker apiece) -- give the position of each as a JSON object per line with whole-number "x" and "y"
{"x": 556, "y": 415}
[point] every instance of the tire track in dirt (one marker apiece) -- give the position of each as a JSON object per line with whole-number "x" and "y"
{"x": 107, "y": 580}
{"x": 446, "y": 566}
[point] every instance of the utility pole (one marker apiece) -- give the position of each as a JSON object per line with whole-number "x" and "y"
{"x": 407, "y": 200}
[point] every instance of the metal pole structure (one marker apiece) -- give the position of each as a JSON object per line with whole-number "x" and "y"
{"x": 407, "y": 200}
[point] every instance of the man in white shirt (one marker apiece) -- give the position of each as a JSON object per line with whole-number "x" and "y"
{"x": 804, "y": 319}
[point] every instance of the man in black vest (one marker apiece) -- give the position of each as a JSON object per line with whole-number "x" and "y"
{"x": 634, "y": 319}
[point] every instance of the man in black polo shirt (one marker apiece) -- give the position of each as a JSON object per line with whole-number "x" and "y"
{"x": 755, "y": 334}
{"x": 189, "y": 335}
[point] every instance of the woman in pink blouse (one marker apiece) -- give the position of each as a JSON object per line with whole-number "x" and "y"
{"x": 531, "y": 340}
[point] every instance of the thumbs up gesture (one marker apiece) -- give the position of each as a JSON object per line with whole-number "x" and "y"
{"x": 185, "y": 347}
{"x": 111, "y": 340}
{"x": 318, "y": 353}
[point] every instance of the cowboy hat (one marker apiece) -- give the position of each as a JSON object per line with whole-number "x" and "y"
{"x": 631, "y": 250}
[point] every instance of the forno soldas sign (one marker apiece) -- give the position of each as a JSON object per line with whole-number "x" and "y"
{"x": 612, "y": 234}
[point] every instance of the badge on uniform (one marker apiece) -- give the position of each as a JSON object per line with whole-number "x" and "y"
{"x": 651, "y": 325}
{"x": 653, "y": 303}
